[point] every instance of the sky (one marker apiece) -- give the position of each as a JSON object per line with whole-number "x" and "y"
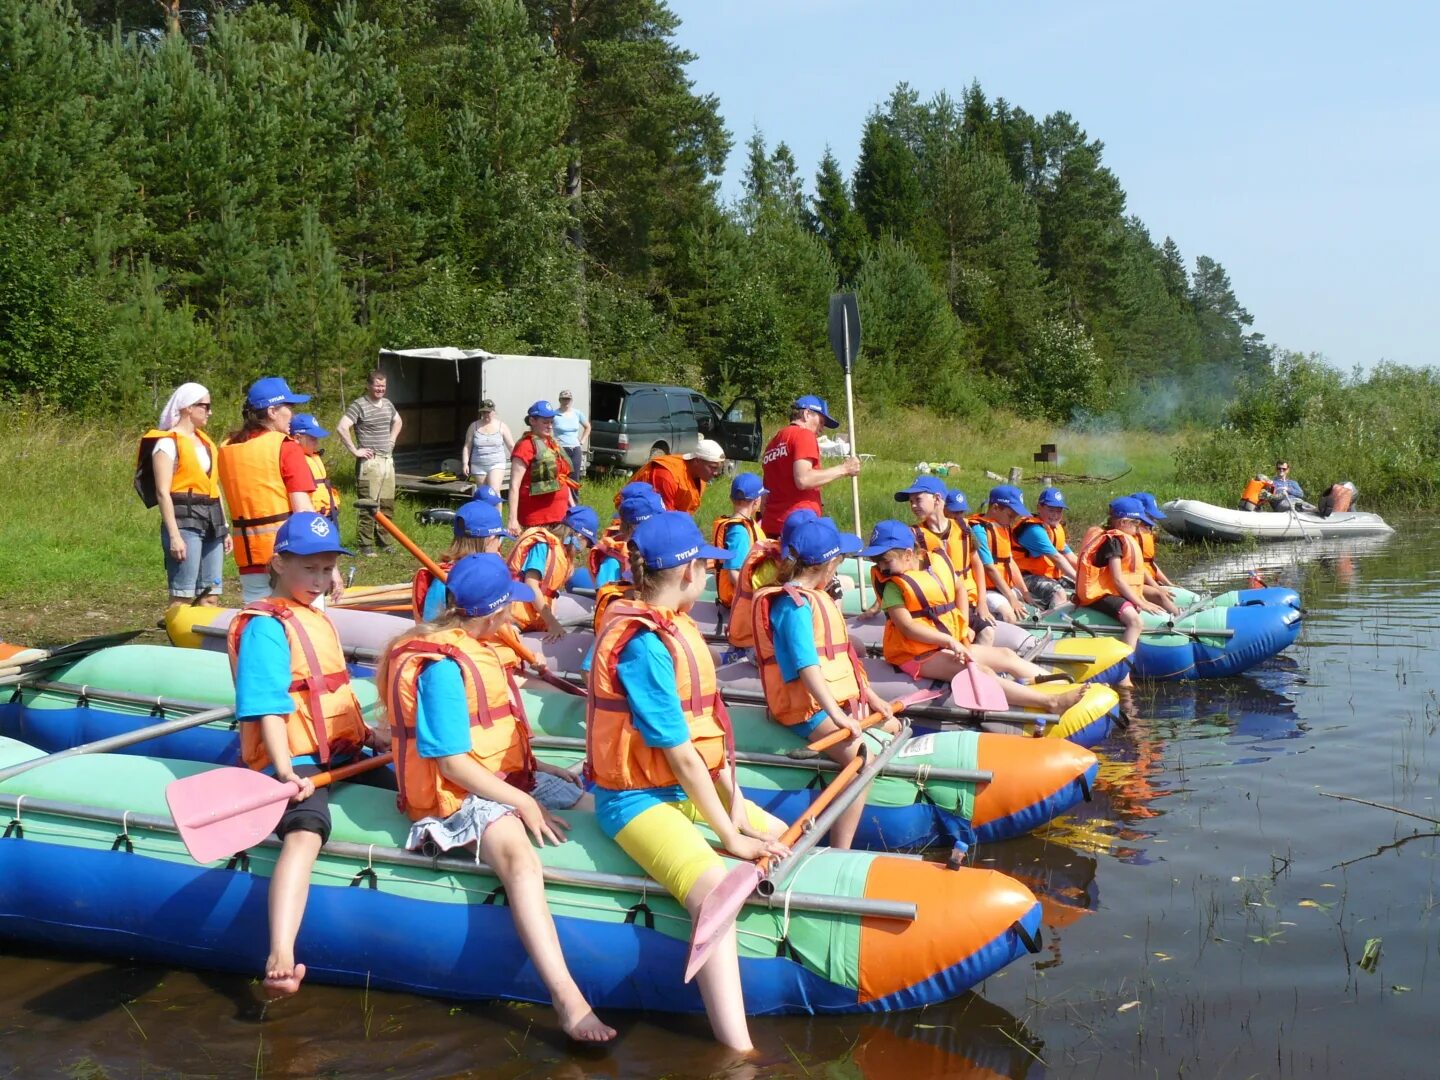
{"x": 1296, "y": 143}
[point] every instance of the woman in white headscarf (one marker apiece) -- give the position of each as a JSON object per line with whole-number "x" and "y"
{"x": 175, "y": 470}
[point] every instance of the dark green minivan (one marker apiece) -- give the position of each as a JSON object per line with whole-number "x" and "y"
{"x": 631, "y": 422}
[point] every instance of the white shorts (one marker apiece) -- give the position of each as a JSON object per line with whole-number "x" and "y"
{"x": 433, "y": 835}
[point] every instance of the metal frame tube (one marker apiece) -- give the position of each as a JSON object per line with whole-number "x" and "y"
{"x": 122, "y": 741}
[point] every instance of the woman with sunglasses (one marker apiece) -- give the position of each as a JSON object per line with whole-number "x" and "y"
{"x": 176, "y": 470}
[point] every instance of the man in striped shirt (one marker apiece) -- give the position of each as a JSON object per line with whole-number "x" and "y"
{"x": 369, "y": 429}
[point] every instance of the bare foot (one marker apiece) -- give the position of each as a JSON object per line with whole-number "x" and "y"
{"x": 282, "y": 980}
{"x": 1069, "y": 699}
{"x": 582, "y": 1025}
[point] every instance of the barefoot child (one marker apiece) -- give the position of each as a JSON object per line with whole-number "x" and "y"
{"x": 477, "y": 528}
{"x": 1042, "y": 550}
{"x": 658, "y": 738}
{"x": 1111, "y": 571}
{"x": 298, "y": 717}
{"x": 1006, "y": 593}
{"x": 737, "y": 532}
{"x": 927, "y": 497}
{"x": 924, "y": 636}
{"x": 465, "y": 782}
{"x": 814, "y": 683}
{"x": 541, "y": 560}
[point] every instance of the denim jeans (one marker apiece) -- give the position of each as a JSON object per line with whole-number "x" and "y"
{"x": 200, "y": 569}
{"x": 254, "y": 587}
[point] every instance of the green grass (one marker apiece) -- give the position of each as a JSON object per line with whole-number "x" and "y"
{"x": 82, "y": 556}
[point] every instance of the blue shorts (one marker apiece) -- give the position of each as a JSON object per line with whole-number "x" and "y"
{"x": 199, "y": 570}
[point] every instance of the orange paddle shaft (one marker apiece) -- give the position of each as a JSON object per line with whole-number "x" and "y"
{"x": 410, "y": 546}
{"x": 347, "y": 771}
{"x": 829, "y": 795}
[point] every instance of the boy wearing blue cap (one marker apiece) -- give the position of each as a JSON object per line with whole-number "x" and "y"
{"x": 466, "y": 772}
{"x": 927, "y": 497}
{"x": 543, "y": 557}
{"x": 478, "y": 528}
{"x": 1006, "y": 593}
{"x": 1042, "y": 550}
{"x": 814, "y": 683}
{"x": 306, "y": 430}
{"x": 760, "y": 568}
{"x": 1156, "y": 583}
{"x": 1110, "y": 571}
{"x": 791, "y": 464}
{"x": 737, "y": 532}
{"x": 610, "y": 557}
{"x": 660, "y": 748}
{"x": 298, "y": 716}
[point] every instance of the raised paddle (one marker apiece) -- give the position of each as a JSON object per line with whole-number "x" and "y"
{"x": 409, "y": 545}
{"x": 222, "y": 811}
{"x": 718, "y": 910}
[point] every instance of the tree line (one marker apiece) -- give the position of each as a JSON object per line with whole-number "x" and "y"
{"x": 248, "y": 188}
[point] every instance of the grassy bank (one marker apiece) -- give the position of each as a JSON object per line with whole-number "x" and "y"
{"x": 82, "y": 556}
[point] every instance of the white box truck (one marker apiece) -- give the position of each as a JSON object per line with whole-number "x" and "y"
{"x": 438, "y": 393}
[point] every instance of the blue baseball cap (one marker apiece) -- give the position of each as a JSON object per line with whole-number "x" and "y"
{"x": 1127, "y": 507}
{"x": 1053, "y": 496}
{"x": 819, "y": 540}
{"x": 923, "y": 485}
{"x": 746, "y": 486}
{"x": 304, "y": 423}
{"x": 793, "y": 521}
{"x": 956, "y": 503}
{"x": 481, "y": 584}
{"x": 487, "y": 494}
{"x": 584, "y": 521}
{"x": 273, "y": 391}
{"x": 817, "y": 404}
{"x": 635, "y": 487}
{"x": 887, "y": 536}
{"x": 641, "y": 506}
{"x": 305, "y": 533}
{"x": 479, "y": 520}
{"x": 542, "y": 409}
{"x": 1008, "y": 496}
{"x": 673, "y": 539}
{"x": 1152, "y": 507}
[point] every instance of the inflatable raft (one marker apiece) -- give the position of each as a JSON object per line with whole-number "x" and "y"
{"x": 90, "y": 861}
{"x": 919, "y": 802}
{"x": 1191, "y": 519}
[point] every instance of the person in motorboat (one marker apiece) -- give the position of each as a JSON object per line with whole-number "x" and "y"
{"x": 1286, "y": 494}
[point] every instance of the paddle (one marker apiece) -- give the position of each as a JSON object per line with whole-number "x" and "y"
{"x": 66, "y": 653}
{"x": 835, "y": 738}
{"x": 409, "y": 545}
{"x": 718, "y": 910}
{"x": 222, "y": 811}
{"x": 977, "y": 690}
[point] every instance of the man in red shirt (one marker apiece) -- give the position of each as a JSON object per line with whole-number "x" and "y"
{"x": 791, "y": 464}
{"x": 540, "y": 483}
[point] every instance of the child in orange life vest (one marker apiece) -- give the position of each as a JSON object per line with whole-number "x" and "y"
{"x": 760, "y": 568}
{"x": 982, "y": 621}
{"x": 658, "y": 743}
{"x": 295, "y": 719}
{"x": 813, "y": 681}
{"x": 927, "y": 497}
{"x": 924, "y": 636}
{"x": 541, "y": 560}
{"x": 1007, "y": 596}
{"x": 1042, "y": 550}
{"x": 466, "y": 772}
{"x": 306, "y": 430}
{"x": 1158, "y": 587}
{"x": 610, "y": 557}
{"x": 1110, "y": 571}
{"x": 737, "y": 532}
{"x": 478, "y": 528}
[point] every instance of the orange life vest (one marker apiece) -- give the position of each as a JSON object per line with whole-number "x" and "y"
{"x": 616, "y": 755}
{"x": 957, "y": 544}
{"x": 1254, "y": 490}
{"x": 929, "y": 593}
{"x": 1342, "y": 498}
{"x": 499, "y": 734}
{"x": 997, "y": 536}
{"x": 606, "y": 595}
{"x": 420, "y": 588}
{"x": 1092, "y": 582}
{"x": 557, "y": 572}
{"x": 1147, "y": 549}
{"x": 326, "y": 499}
{"x": 1040, "y": 565}
{"x": 724, "y": 587}
{"x": 255, "y": 492}
{"x": 326, "y": 720}
{"x": 764, "y": 555}
{"x": 189, "y": 478}
{"x": 689, "y": 491}
{"x": 610, "y": 547}
{"x": 790, "y": 702}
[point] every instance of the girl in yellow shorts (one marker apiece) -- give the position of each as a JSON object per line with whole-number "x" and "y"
{"x": 658, "y": 740}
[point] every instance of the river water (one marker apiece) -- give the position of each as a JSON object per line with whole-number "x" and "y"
{"x": 1207, "y": 914}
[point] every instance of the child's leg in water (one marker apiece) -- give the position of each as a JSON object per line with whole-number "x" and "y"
{"x": 289, "y": 890}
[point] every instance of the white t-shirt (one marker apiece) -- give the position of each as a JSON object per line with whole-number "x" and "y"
{"x": 167, "y": 447}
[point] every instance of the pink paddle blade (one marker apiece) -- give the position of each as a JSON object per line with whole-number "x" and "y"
{"x": 224, "y": 811}
{"x": 978, "y": 690}
{"x": 718, "y": 911}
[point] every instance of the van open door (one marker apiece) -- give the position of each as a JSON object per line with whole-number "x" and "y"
{"x": 739, "y": 430}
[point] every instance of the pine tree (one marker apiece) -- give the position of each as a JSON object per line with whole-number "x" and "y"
{"x": 887, "y": 190}
{"x": 834, "y": 220}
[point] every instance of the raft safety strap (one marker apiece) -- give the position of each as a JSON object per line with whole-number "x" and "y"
{"x": 367, "y": 872}
{"x": 83, "y": 700}
{"x": 122, "y": 838}
{"x": 157, "y": 711}
{"x": 15, "y": 695}
{"x": 1085, "y": 788}
{"x": 1032, "y": 944}
{"x": 15, "y": 829}
{"x": 496, "y": 897}
{"x": 239, "y": 861}
{"x": 640, "y": 910}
